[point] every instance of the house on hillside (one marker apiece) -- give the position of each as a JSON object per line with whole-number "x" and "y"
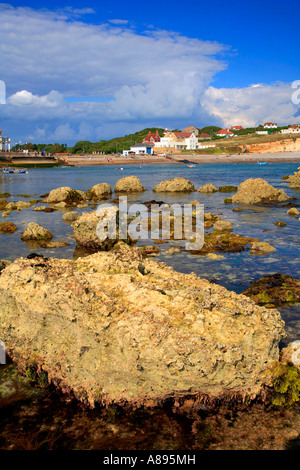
{"x": 4, "y": 143}
{"x": 236, "y": 128}
{"x": 204, "y": 136}
{"x": 178, "y": 140}
{"x": 294, "y": 129}
{"x": 191, "y": 129}
{"x": 224, "y": 133}
{"x": 152, "y": 138}
{"x": 270, "y": 125}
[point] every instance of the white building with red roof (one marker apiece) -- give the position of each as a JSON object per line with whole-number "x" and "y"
{"x": 270, "y": 125}
{"x": 178, "y": 140}
{"x": 224, "y": 133}
{"x": 152, "y": 138}
{"x": 236, "y": 128}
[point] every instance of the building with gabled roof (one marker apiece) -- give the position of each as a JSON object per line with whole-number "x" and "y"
{"x": 224, "y": 133}
{"x": 152, "y": 137}
{"x": 191, "y": 129}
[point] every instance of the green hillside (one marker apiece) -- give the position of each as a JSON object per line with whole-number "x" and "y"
{"x": 118, "y": 144}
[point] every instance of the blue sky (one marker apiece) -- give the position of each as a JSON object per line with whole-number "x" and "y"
{"x": 90, "y": 71}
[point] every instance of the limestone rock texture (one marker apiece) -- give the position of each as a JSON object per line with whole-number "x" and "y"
{"x": 175, "y": 185}
{"x": 114, "y": 327}
{"x": 207, "y": 188}
{"x": 65, "y": 194}
{"x": 35, "y": 231}
{"x": 256, "y": 191}
{"x": 294, "y": 180}
{"x": 129, "y": 184}
{"x": 99, "y": 191}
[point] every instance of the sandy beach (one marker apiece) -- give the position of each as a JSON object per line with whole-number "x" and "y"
{"x": 175, "y": 159}
{"x": 183, "y": 158}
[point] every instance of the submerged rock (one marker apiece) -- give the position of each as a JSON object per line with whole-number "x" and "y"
{"x": 3, "y": 204}
{"x": 280, "y": 223}
{"x": 36, "y": 232}
{"x": 8, "y": 227}
{"x": 293, "y": 211}
{"x": 227, "y": 189}
{"x": 70, "y": 216}
{"x": 222, "y": 225}
{"x": 258, "y": 191}
{"x": 120, "y": 328}
{"x": 182, "y": 185}
{"x": 274, "y": 290}
{"x": 129, "y": 184}
{"x": 207, "y": 188}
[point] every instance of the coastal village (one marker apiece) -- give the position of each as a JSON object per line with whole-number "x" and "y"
{"x": 191, "y": 139}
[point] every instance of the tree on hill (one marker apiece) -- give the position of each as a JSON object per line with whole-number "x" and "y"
{"x": 211, "y": 130}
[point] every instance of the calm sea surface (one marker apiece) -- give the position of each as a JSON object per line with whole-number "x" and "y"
{"x": 234, "y": 271}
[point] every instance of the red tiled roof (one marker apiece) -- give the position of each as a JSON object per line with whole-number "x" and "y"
{"x": 152, "y": 137}
{"x": 224, "y": 131}
{"x": 237, "y": 128}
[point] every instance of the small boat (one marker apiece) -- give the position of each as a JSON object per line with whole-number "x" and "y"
{"x": 14, "y": 171}
{"x": 261, "y": 163}
{"x": 191, "y": 166}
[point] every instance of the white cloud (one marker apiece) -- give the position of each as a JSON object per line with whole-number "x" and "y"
{"x": 154, "y": 74}
{"x": 155, "y": 78}
{"x": 251, "y": 106}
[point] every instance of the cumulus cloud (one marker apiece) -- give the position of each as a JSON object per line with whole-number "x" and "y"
{"x": 53, "y": 56}
{"x": 252, "y": 105}
{"x": 57, "y": 62}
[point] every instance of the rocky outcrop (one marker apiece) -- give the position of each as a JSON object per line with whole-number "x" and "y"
{"x": 293, "y": 211}
{"x": 36, "y": 232}
{"x": 65, "y": 194}
{"x": 8, "y": 227}
{"x": 274, "y": 290}
{"x": 294, "y": 180}
{"x": 227, "y": 189}
{"x": 181, "y": 185}
{"x": 99, "y": 191}
{"x": 222, "y": 240}
{"x": 85, "y": 229}
{"x": 118, "y": 328}
{"x": 70, "y": 217}
{"x": 222, "y": 225}
{"x": 258, "y": 191}
{"x": 207, "y": 188}
{"x": 129, "y": 184}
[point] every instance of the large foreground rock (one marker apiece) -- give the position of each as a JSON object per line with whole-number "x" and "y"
{"x": 258, "y": 191}
{"x": 174, "y": 185}
{"x": 116, "y": 328}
